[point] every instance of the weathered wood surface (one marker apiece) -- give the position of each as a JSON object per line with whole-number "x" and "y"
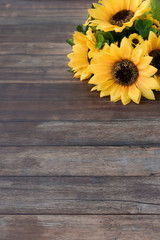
{"x": 79, "y": 161}
{"x": 64, "y": 151}
{"x": 80, "y": 227}
{"x": 80, "y": 195}
{"x": 146, "y": 114}
{"x": 80, "y": 133}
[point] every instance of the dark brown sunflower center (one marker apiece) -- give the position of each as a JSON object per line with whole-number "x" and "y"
{"x": 135, "y": 41}
{"x": 156, "y": 59}
{"x": 125, "y": 72}
{"x": 121, "y": 17}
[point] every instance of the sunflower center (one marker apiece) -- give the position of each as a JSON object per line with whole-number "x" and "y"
{"x": 135, "y": 41}
{"x": 156, "y": 59}
{"x": 121, "y": 17}
{"x": 125, "y": 72}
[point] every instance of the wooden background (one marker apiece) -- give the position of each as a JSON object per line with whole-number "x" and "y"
{"x": 72, "y": 166}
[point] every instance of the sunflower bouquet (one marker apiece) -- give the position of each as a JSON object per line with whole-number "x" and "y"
{"x": 118, "y": 49}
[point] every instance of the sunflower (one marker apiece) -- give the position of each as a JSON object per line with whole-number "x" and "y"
{"x": 80, "y": 57}
{"x": 115, "y": 15}
{"x": 135, "y": 39}
{"x": 124, "y": 73}
{"x": 153, "y": 48}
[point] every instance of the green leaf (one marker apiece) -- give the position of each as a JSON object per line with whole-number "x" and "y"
{"x": 70, "y": 42}
{"x": 100, "y": 41}
{"x": 100, "y": 38}
{"x": 71, "y": 70}
{"x": 109, "y": 36}
{"x": 154, "y": 30}
{"x": 143, "y": 27}
{"x": 86, "y": 29}
{"x": 155, "y": 9}
{"x": 148, "y": 23}
{"x": 99, "y": 45}
{"x": 107, "y": 41}
{"x": 79, "y": 28}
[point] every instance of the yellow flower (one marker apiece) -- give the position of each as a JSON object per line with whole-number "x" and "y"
{"x": 135, "y": 39}
{"x": 116, "y": 15}
{"x": 79, "y": 60}
{"x": 153, "y": 48}
{"x": 82, "y": 53}
{"x": 124, "y": 73}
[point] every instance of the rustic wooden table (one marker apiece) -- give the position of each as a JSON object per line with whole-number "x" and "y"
{"x": 72, "y": 166}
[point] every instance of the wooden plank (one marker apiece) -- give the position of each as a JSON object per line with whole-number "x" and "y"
{"x": 47, "y": 92}
{"x": 80, "y": 195}
{"x": 79, "y": 227}
{"x": 36, "y": 74}
{"x": 58, "y": 21}
{"x": 47, "y": 48}
{"x": 17, "y": 14}
{"x": 36, "y": 33}
{"x": 12, "y": 61}
{"x": 47, "y": 4}
{"x": 78, "y": 110}
{"x": 79, "y": 133}
{"x": 79, "y": 161}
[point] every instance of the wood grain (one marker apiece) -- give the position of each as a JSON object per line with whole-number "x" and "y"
{"x": 47, "y": 48}
{"x": 101, "y": 110}
{"x": 79, "y": 195}
{"x": 35, "y": 33}
{"x": 13, "y": 61}
{"x": 80, "y": 227}
{"x": 79, "y": 161}
{"x": 64, "y": 151}
{"x": 37, "y": 74}
{"x": 64, "y": 90}
{"x": 77, "y": 133}
{"x": 47, "y": 4}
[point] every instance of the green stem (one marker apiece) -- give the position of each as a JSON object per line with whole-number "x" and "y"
{"x": 155, "y": 9}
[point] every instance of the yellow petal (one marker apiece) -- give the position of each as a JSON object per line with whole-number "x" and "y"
{"x": 125, "y": 48}
{"x": 106, "y": 85}
{"x": 148, "y": 72}
{"x": 152, "y": 39}
{"x": 136, "y": 56}
{"x": 134, "y": 93}
{"x": 86, "y": 74}
{"x": 94, "y": 88}
{"x": 116, "y": 94}
{"x": 134, "y": 5}
{"x": 115, "y": 52}
{"x": 144, "y": 62}
{"x": 148, "y": 82}
{"x": 147, "y": 93}
{"x": 98, "y": 79}
{"x": 108, "y": 91}
{"x": 124, "y": 96}
{"x": 98, "y": 13}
